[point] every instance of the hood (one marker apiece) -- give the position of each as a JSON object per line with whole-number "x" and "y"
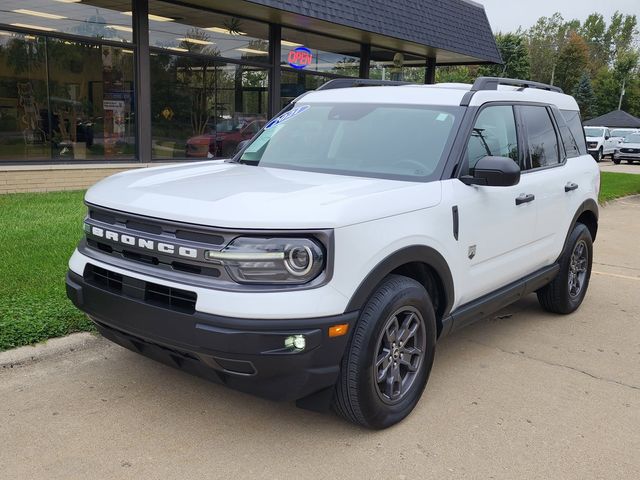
{"x": 232, "y": 195}
{"x": 629, "y": 145}
{"x": 594, "y": 139}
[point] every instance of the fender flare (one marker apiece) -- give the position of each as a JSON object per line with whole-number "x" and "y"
{"x": 589, "y": 205}
{"x": 414, "y": 253}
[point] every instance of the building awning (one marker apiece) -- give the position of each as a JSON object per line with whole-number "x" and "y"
{"x": 615, "y": 119}
{"x": 451, "y": 31}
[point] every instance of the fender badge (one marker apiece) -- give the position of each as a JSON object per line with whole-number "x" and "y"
{"x": 472, "y": 252}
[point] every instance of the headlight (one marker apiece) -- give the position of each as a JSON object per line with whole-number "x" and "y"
{"x": 270, "y": 260}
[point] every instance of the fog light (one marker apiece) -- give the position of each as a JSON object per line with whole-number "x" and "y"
{"x": 295, "y": 342}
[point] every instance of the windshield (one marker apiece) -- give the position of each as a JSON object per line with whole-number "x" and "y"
{"x": 594, "y": 132}
{"x": 388, "y": 141}
{"x": 632, "y": 138}
{"x": 621, "y": 133}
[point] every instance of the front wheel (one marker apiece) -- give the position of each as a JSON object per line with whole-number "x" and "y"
{"x": 599, "y": 156}
{"x": 567, "y": 291}
{"x": 616, "y": 161}
{"x": 390, "y": 354}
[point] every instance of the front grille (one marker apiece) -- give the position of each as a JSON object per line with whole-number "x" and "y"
{"x": 630, "y": 150}
{"x": 176, "y": 234}
{"x": 162, "y": 296}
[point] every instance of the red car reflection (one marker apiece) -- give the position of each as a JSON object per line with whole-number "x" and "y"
{"x": 222, "y": 144}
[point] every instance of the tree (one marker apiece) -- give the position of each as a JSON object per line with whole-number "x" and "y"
{"x": 585, "y": 97}
{"x": 593, "y": 30}
{"x": 572, "y": 62}
{"x": 515, "y": 55}
{"x": 546, "y": 39}
{"x": 456, "y": 74}
{"x": 624, "y": 68}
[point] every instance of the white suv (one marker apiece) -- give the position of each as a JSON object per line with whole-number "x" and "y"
{"x": 324, "y": 260}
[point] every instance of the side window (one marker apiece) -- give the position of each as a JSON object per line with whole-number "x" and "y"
{"x": 569, "y": 143}
{"x": 572, "y": 117}
{"x": 494, "y": 134}
{"x": 541, "y": 137}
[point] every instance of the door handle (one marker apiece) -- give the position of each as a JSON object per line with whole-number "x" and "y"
{"x": 570, "y": 186}
{"x": 525, "y": 198}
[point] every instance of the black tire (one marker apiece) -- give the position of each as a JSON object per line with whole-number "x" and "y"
{"x": 616, "y": 161}
{"x": 358, "y": 397}
{"x": 599, "y": 156}
{"x": 561, "y": 296}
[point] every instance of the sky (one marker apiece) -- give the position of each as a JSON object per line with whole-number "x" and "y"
{"x": 508, "y": 15}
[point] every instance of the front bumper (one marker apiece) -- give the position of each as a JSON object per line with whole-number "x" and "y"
{"x": 244, "y": 354}
{"x": 626, "y": 156}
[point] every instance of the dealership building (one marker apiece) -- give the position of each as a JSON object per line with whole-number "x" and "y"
{"x": 91, "y": 87}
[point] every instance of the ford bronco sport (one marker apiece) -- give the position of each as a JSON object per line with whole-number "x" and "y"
{"x": 323, "y": 261}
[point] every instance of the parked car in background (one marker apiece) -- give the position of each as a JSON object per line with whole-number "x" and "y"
{"x": 622, "y": 133}
{"x": 628, "y": 150}
{"x": 227, "y": 142}
{"x": 204, "y": 146}
{"x": 600, "y": 142}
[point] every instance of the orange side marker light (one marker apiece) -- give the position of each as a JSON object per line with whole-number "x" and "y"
{"x": 338, "y": 330}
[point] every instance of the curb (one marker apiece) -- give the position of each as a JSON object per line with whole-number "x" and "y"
{"x": 56, "y": 346}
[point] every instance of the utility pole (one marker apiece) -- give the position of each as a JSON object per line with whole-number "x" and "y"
{"x": 622, "y": 92}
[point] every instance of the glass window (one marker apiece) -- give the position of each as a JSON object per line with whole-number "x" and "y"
{"x": 569, "y": 143}
{"x": 574, "y": 123}
{"x": 393, "y": 65}
{"x": 310, "y": 52}
{"x": 65, "y": 100}
{"x": 541, "y": 137}
{"x": 183, "y": 29}
{"x": 204, "y": 109}
{"x": 294, "y": 84}
{"x": 494, "y": 134}
{"x": 104, "y": 19}
{"x": 388, "y": 141}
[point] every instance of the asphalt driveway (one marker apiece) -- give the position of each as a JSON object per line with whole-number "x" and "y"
{"x": 524, "y": 394}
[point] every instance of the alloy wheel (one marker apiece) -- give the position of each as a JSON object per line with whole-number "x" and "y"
{"x": 399, "y": 354}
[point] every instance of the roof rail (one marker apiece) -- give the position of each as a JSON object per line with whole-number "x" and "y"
{"x": 358, "y": 82}
{"x": 491, "y": 83}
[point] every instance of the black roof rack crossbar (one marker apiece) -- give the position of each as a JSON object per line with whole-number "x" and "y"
{"x": 491, "y": 83}
{"x": 358, "y": 82}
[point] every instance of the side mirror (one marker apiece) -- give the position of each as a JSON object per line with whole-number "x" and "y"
{"x": 606, "y": 137}
{"x": 494, "y": 172}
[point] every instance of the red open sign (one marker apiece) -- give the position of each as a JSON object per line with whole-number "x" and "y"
{"x": 300, "y": 57}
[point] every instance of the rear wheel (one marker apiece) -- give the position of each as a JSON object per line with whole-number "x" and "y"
{"x": 567, "y": 291}
{"x": 390, "y": 355}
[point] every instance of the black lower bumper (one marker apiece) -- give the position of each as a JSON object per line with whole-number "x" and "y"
{"x": 244, "y": 354}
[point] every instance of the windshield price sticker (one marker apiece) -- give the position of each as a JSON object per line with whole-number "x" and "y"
{"x": 287, "y": 115}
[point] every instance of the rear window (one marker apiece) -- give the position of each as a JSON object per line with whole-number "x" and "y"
{"x": 574, "y": 123}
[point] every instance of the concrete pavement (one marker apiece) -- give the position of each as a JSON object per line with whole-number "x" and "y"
{"x": 606, "y": 165}
{"x": 524, "y": 394}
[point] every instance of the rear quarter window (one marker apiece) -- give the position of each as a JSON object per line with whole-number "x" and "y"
{"x": 574, "y": 124}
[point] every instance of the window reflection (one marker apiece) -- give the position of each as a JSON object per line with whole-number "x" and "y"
{"x": 104, "y": 19}
{"x": 204, "y": 109}
{"x": 183, "y": 29}
{"x": 63, "y": 100}
{"x": 392, "y": 65}
{"x": 314, "y": 53}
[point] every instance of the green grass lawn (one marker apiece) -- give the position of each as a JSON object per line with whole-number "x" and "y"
{"x": 38, "y": 233}
{"x": 615, "y": 185}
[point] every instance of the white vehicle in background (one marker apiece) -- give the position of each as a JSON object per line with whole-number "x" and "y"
{"x": 628, "y": 150}
{"x": 621, "y": 133}
{"x": 600, "y": 142}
